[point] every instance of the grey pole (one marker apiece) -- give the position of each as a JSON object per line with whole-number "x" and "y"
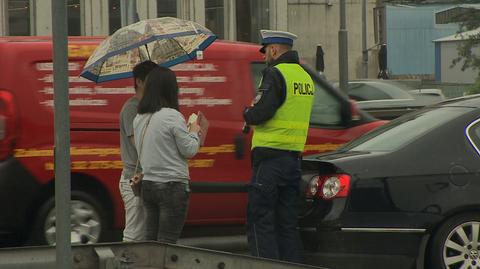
{"x": 3, "y": 17}
{"x": 343, "y": 49}
{"x": 83, "y": 31}
{"x": 62, "y": 135}
{"x": 123, "y": 12}
{"x": 364, "y": 40}
{"x": 33, "y": 10}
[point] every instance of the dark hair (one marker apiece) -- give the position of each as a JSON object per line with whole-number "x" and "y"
{"x": 161, "y": 90}
{"x": 141, "y": 71}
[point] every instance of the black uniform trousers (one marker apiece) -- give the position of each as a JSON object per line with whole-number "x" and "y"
{"x": 272, "y": 199}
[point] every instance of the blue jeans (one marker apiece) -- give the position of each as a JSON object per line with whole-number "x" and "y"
{"x": 272, "y": 213}
{"x": 165, "y": 206}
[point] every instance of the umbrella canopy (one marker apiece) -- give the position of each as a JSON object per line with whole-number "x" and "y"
{"x": 166, "y": 41}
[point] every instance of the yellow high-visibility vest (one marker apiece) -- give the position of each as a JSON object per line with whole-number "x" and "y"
{"x": 288, "y": 128}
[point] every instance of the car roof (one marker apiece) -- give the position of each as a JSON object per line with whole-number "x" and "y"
{"x": 464, "y": 101}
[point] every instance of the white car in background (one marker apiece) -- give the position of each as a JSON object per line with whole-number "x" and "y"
{"x": 386, "y": 99}
{"x": 429, "y": 96}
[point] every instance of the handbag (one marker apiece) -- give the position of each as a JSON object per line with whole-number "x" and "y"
{"x": 136, "y": 180}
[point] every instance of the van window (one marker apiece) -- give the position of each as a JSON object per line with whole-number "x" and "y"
{"x": 377, "y": 91}
{"x": 326, "y": 109}
{"x": 257, "y": 69}
{"x": 361, "y": 92}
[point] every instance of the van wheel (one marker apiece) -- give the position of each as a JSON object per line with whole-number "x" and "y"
{"x": 88, "y": 221}
{"x": 456, "y": 244}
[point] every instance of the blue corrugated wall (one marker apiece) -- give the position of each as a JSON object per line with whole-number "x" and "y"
{"x": 410, "y": 31}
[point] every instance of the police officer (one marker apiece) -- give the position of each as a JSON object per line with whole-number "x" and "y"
{"x": 280, "y": 115}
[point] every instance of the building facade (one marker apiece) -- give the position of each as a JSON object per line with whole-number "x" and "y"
{"x": 446, "y": 51}
{"x": 316, "y": 22}
{"x": 410, "y": 32}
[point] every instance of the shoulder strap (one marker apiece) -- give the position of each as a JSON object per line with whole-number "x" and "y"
{"x": 141, "y": 143}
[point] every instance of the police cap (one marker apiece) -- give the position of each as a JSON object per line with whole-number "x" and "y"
{"x": 276, "y": 37}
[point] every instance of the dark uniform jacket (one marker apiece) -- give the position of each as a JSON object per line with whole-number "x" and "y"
{"x": 271, "y": 95}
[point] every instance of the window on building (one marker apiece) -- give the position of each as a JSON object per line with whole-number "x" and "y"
{"x": 19, "y": 17}
{"x": 379, "y": 25}
{"x": 214, "y": 17}
{"x": 114, "y": 16}
{"x": 166, "y": 8}
{"x": 252, "y": 16}
{"x": 244, "y": 24}
{"x": 73, "y": 11}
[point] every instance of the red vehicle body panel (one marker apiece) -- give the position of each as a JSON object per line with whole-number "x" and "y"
{"x": 220, "y": 85}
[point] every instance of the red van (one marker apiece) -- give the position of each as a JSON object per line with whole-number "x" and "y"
{"x": 220, "y": 85}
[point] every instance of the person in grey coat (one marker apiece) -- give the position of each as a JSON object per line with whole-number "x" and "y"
{"x": 164, "y": 143}
{"x": 134, "y": 218}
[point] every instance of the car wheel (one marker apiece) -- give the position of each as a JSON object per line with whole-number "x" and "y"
{"x": 87, "y": 220}
{"x": 456, "y": 244}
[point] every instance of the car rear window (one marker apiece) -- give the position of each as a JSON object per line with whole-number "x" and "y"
{"x": 403, "y": 130}
{"x": 373, "y": 90}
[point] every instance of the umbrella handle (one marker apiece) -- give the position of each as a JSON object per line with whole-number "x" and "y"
{"x": 148, "y": 53}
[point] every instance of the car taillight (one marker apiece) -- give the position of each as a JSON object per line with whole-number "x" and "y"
{"x": 328, "y": 187}
{"x": 7, "y": 124}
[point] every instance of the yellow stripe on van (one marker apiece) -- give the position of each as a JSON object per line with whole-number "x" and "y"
{"x": 118, "y": 165}
{"x": 226, "y": 148}
{"x": 104, "y": 152}
{"x": 322, "y": 147}
{"x": 74, "y": 151}
{"x": 83, "y": 51}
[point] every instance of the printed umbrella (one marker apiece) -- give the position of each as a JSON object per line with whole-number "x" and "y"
{"x": 166, "y": 41}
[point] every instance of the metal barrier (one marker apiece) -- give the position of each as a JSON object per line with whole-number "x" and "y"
{"x": 137, "y": 255}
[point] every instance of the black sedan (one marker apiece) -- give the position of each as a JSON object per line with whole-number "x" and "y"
{"x": 406, "y": 195}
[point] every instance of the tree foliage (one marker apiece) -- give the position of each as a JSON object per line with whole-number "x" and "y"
{"x": 468, "y": 56}
{"x": 475, "y": 88}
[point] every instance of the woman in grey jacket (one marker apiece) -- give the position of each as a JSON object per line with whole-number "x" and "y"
{"x": 164, "y": 143}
